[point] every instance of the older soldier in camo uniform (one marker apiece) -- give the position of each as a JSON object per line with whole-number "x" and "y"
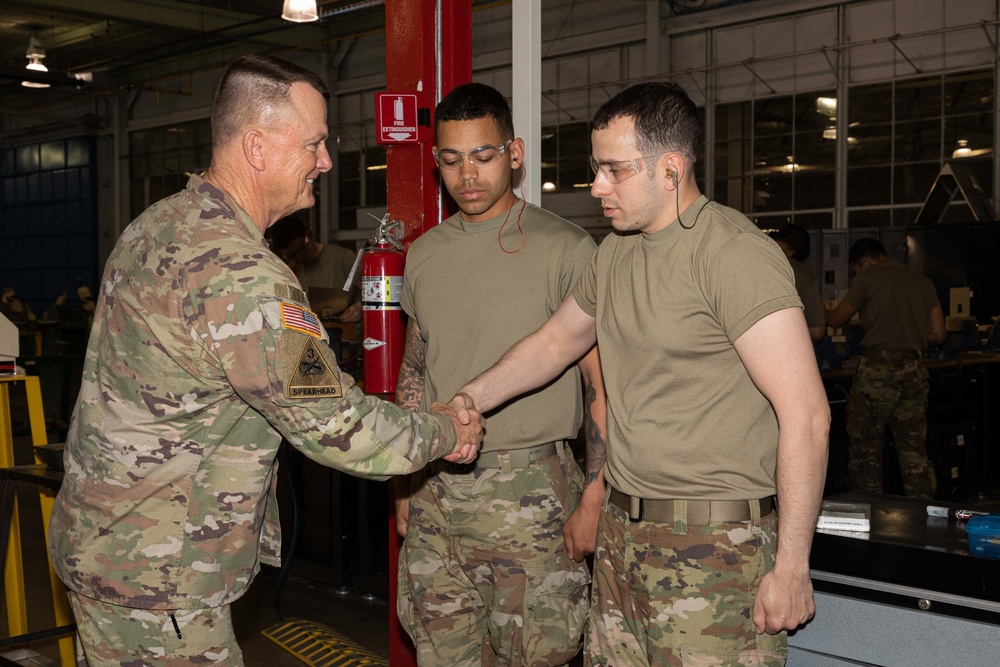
{"x": 901, "y": 314}
{"x": 203, "y": 355}
{"x": 705, "y": 352}
{"x": 486, "y": 577}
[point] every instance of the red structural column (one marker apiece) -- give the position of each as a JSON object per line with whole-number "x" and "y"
{"x": 413, "y": 59}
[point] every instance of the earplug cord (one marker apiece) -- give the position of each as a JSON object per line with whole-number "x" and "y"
{"x": 524, "y": 203}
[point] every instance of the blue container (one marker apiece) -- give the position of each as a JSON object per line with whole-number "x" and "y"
{"x": 984, "y": 535}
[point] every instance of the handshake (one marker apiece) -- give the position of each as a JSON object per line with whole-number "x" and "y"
{"x": 468, "y": 423}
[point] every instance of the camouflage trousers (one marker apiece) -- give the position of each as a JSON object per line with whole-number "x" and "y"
{"x": 109, "y": 635}
{"x": 484, "y": 576}
{"x": 663, "y": 597}
{"x": 890, "y": 393}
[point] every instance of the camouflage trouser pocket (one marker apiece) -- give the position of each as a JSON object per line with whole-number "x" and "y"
{"x": 697, "y": 656}
{"x": 554, "y": 617}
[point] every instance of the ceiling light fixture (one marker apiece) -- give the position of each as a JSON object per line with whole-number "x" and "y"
{"x": 300, "y": 11}
{"x": 963, "y": 149}
{"x": 35, "y": 53}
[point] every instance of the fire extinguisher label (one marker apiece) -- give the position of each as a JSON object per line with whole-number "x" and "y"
{"x": 372, "y": 343}
{"x": 381, "y": 292}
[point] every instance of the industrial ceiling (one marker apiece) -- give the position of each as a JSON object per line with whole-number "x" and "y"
{"x": 95, "y": 46}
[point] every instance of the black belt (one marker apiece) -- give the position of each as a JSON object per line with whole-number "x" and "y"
{"x": 517, "y": 459}
{"x": 893, "y": 355}
{"x": 696, "y": 513}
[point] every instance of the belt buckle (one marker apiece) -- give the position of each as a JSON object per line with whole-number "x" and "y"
{"x": 636, "y": 510}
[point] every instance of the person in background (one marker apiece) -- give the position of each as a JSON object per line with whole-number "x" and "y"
{"x": 203, "y": 355}
{"x": 794, "y": 242}
{"x": 714, "y": 405}
{"x": 316, "y": 264}
{"x": 485, "y": 575}
{"x": 901, "y": 315}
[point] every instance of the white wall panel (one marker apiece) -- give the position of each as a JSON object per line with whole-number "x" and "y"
{"x": 865, "y": 22}
{"x": 635, "y": 61}
{"x": 688, "y": 51}
{"x": 969, "y": 48}
{"x": 605, "y": 66}
{"x": 927, "y": 52}
{"x": 732, "y": 46}
{"x": 814, "y": 30}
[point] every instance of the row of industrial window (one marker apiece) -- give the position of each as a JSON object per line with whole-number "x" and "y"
{"x": 774, "y": 158}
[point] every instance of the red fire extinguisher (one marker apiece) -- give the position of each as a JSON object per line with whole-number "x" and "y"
{"x": 381, "y": 314}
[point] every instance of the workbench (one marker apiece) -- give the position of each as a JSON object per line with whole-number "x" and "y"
{"x": 906, "y": 594}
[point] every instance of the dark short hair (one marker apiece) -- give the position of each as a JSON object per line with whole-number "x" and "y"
{"x": 286, "y": 230}
{"x": 472, "y": 101}
{"x": 253, "y": 89}
{"x": 865, "y": 248}
{"x": 796, "y": 238}
{"x": 665, "y": 118}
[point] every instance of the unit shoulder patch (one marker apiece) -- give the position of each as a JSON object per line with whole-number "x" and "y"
{"x": 315, "y": 374}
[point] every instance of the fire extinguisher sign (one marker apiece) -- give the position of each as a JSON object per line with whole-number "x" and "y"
{"x": 381, "y": 292}
{"x": 396, "y": 118}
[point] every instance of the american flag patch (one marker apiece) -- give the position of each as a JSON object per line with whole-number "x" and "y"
{"x": 300, "y": 319}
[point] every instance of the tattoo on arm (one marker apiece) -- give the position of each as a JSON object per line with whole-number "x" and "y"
{"x": 410, "y": 384}
{"x": 593, "y": 433}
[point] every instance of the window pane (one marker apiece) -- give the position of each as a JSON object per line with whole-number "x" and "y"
{"x": 814, "y": 220}
{"x": 773, "y": 116}
{"x": 912, "y": 182}
{"x": 919, "y": 140}
{"x": 773, "y": 152}
{"x": 734, "y": 192}
{"x": 904, "y": 216}
{"x": 870, "y": 104}
{"x": 918, "y": 99}
{"x": 968, "y": 93}
{"x": 868, "y": 218}
{"x": 814, "y": 189}
{"x": 815, "y": 111}
{"x": 874, "y": 144}
{"x": 773, "y": 192}
{"x": 770, "y": 223}
{"x": 813, "y": 151}
{"x": 350, "y": 193}
{"x": 732, "y": 158}
{"x": 868, "y": 185}
{"x": 732, "y": 121}
{"x": 968, "y": 136}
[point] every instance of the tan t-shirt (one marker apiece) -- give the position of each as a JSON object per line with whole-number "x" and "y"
{"x": 330, "y": 268}
{"x": 807, "y": 288}
{"x": 684, "y": 418}
{"x": 474, "y": 299}
{"x": 895, "y": 303}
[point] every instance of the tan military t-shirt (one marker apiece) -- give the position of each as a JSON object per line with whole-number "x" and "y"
{"x": 475, "y": 289}
{"x": 807, "y": 288}
{"x": 895, "y": 303}
{"x": 684, "y": 418}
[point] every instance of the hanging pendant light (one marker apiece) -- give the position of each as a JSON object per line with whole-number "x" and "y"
{"x": 35, "y": 54}
{"x": 300, "y": 11}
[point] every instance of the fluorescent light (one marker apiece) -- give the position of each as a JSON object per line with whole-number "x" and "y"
{"x": 35, "y": 84}
{"x": 300, "y": 11}
{"x": 827, "y": 106}
{"x": 36, "y": 66}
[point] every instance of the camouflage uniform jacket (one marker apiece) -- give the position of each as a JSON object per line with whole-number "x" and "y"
{"x": 203, "y": 354}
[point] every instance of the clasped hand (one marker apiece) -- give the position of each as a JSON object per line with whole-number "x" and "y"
{"x": 469, "y": 425}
